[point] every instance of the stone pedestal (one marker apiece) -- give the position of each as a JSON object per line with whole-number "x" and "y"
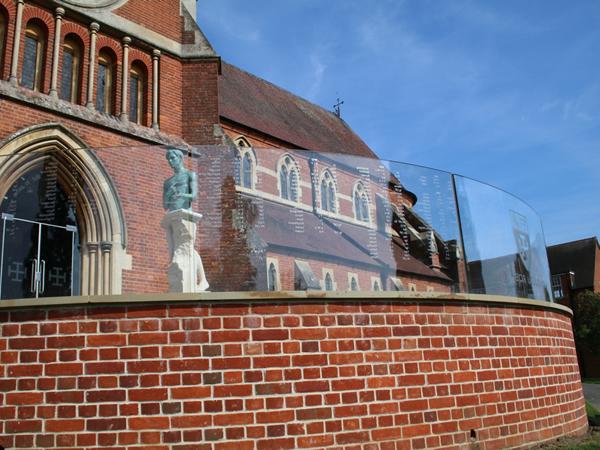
{"x": 185, "y": 272}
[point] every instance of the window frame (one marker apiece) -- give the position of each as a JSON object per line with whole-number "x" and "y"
{"x": 556, "y": 286}
{"x": 376, "y": 282}
{"x": 288, "y": 179}
{"x": 361, "y": 204}
{"x": 353, "y": 277}
{"x": 3, "y": 34}
{"x": 245, "y": 153}
{"x": 328, "y": 191}
{"x": 273, "y": 263}
{"x": 36, "y": 32}
{"x": 139, "y": 74}
{"x": 328, "y": 272}
{"x": 107, "y": 60}
{"x": 75, "y": 48}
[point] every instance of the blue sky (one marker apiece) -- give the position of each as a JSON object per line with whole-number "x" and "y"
{"x": 507, "y": 92}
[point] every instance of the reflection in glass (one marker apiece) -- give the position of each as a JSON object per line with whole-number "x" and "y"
{"x": 253, "y": 238}
{"x": 505, "y": 248}
{"x": 105, "y": 91}
{"x": 40, "y": 254}
{"x": 71, "y": 69}
{"x": 33, "y": 57}
{"x": 247, "y": 171}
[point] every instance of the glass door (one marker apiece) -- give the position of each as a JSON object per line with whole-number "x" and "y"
{"x": 36, "y": 259}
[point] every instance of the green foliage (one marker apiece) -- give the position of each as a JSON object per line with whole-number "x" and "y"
{"x": 586, "y": 321}
{"x": 593, "y": 414}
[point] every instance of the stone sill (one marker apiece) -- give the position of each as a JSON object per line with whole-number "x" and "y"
{"x": 290, "y": 296}
{"x": 82, "y": 113}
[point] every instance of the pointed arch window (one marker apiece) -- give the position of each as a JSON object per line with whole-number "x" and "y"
{"x": 328, "y": 282}
{"x": 353, "y": 284}
{"x": 247, "y": 171}
{"x": 138, "y": 86}
{"x": 34, "y": 52}
{"x": 3, "y": 28}
{"x": 361, "y": 203}
{"x": 328, "y": 195}
{"x": 246, "y": 164}
{"x": 272, "y": 277}
{"x": 70, "y": 85}
{"x": 105, "y": 93}
{"x": 289, "y": 181}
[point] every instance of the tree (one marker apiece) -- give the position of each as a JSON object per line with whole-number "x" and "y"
{"x": 586, "y": 321}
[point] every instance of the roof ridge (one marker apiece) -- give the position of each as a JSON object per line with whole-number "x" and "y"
{"x": 302, "y": 99}
{"x": 591, "y": 238}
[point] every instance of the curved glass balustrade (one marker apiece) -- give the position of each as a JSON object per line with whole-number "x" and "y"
{"x": 151, "y": 220}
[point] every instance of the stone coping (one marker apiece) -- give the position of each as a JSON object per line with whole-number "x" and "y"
{"x": 291, "y": 296}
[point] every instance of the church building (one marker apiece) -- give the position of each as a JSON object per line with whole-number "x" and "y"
{"x": 92, "y": 92}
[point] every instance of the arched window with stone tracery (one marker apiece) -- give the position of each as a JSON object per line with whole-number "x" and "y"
{"x": 328, "y": 192}
{"x": 246, "y": 164}
{"x": 289, "y": 180}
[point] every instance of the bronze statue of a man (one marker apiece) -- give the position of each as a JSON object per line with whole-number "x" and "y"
{"x": 182, "y": 188}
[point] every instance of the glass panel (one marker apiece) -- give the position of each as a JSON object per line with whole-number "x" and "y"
{"x": 283, "y": 181}
{"x": 247, "y": 171}
{"x": 101, "y": 89}
{"x": 331, "y": 197}
{"x": 57, "y": 255}
{"x": 66, "y": 84}
{"x": 425, "y": 224}
{"x": 180, "y": 223}
{"x": 18, "y": 260}
{"x": 30, "y": 58}
{"x": 504, "y": 243}
{"x": 134, "y": 87}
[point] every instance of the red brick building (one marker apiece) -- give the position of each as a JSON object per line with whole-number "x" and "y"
{"x": 90, "y": 93}
{"x": 575, "y": 268}
{"x": 94, "y": 84}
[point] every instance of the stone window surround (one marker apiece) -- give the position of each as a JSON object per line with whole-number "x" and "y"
{"x": 59, "y": 13}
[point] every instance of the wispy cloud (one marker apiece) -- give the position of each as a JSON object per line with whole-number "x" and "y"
{"x": 318, "y": 68}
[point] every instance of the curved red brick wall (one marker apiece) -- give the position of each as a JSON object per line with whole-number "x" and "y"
{"x": 374, "y": 374}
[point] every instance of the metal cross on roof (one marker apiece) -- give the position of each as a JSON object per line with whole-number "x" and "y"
{"x": 336, "y": 108}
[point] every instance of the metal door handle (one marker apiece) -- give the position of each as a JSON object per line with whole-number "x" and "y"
{"x": 43, "y": 276}
{"x": 34, "y": 275}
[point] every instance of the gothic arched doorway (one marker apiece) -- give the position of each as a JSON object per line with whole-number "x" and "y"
{"x": 39, "y": 241}
{"x": 63, "y": 231}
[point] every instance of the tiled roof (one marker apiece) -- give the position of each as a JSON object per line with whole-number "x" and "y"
{"x": 297, "y": 230}
{"x": 257, "y": 104}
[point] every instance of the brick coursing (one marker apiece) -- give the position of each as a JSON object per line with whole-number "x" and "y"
{"x": 298, "y": 374}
